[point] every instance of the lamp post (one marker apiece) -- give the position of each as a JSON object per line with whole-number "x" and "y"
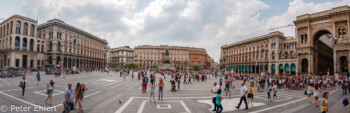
{"x": 74, "y": 48}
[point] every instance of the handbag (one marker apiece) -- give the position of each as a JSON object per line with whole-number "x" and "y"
{"x": 250, "y": 95}
{"x": 305, "y": 93}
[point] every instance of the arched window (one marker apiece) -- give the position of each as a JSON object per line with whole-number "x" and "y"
{"x": 302, "y": 38}
{"x": 292, "y": 54}
{"x": 32, "y": 30}
{"x": 17, "y": 42}
{"x": 18, "y": 27}
{"x": 339, "y": 34}
{"x": 344, "y": 33}
{"x": 24, "y": 44}
{"x": 305, "y": 38}
{"x": 58, "y": 46}
{"x": 273, "y": 55}
{"x": 25, "y": 29}
{"x": 286, "y": 55}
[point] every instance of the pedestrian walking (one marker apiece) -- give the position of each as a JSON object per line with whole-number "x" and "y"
{"x": 214, "y": 91}
{"x": 38, "y": 78}
{"x": 75, "y": 92}
{"x": 317, "y": 93}
{"x": 227, "y": 87}
{"x": 144, "y": 83}
{"x": 324, "y": 103}
{"x": 152, "y": 93}
{"x": 161, "y": 88}
{"x": 218, "y": 101}
{"x": 244, "y": 91}
{"x": 23, "y": 84}
{"x": 251, "y": 94}
{"x": 69, "y": 98}
{"x": 49, "y": 92}
{"x": 308, "y": 92}
{"x": 80, "y": 96}
{"x": 274, "y": 92}
{"x": 269, "y": 93}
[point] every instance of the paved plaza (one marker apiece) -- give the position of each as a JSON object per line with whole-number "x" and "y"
{"x": 106, "y": 90}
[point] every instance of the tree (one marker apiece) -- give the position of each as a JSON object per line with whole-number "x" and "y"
{"x": 154, "y": 67}
{"x": 196, "y": 68}
{"x": 131, "y": 66}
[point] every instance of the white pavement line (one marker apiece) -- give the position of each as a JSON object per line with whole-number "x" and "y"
{"x": 32, "y": 104}
{"x": 85, "y": 97}
{"x": 277, "y": 106}
{"x": 124, "y": 105}
{"x": 92, "y": 94}
{"x": 112, "y": 83}
{"x": 142, "y": 106}
{"x": 184, "y": 105}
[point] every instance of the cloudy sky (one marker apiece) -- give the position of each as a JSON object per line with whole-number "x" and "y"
{"x": 207, "y": 24}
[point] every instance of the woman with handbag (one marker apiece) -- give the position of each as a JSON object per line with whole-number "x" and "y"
{"x": 251, "y": 93}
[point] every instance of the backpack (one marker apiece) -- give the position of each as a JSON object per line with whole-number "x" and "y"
{"x": 345, "y": 101}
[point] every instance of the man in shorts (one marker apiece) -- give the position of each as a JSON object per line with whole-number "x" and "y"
{"x": 227, "y": 87}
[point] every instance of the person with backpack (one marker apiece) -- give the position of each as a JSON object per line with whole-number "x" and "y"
{"x": 161, "y": 88}
{"x": 346, "y": 101}
{"x": 23, "y": 84}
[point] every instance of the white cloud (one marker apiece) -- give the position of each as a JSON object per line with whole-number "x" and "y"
{"x": 200, "y": 23}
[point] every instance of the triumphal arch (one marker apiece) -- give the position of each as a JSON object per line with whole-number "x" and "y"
{"x": 323, "y": 41}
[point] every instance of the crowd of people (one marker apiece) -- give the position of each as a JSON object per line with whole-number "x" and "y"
{"x": 312, "y": 85}
{"x": 315, "y": 85}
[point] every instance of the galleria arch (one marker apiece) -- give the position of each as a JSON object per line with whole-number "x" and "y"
{"x": 323, "y": 41}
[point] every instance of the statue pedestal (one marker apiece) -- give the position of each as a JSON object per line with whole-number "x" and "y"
{"x": 167, "y": 67}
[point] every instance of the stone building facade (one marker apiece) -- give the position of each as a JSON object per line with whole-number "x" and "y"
{"x": 322, "y": 46}
{"x": 25, "y": 44}
{"x": 68, "y": 46}
{"x": 272, "y": 53}
{"x": 19, "y": 46}
{"x": 147, "y": 56}
{"x": 121, "y": 56}
{"x": 199, "y": 56}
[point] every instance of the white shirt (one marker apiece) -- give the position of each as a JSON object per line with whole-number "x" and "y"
{"x": 215, "y": 89}
{"x": 243, "y": 90}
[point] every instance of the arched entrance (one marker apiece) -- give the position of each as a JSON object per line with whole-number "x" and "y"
{"x": 323, "y": 49}
{"x": 304, "y": 66}
{"x": 280, "y": 69}
{"x": 293, "y": 69}
{"x": 273, "y": 67}
{"x": 286, "y": 68}
{"x": 343, "y": 64}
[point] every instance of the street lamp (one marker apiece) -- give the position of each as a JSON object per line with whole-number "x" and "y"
{"x": 74, "y": 48}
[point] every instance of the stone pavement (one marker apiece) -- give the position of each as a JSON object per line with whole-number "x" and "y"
{"x": 106, "y": 90}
